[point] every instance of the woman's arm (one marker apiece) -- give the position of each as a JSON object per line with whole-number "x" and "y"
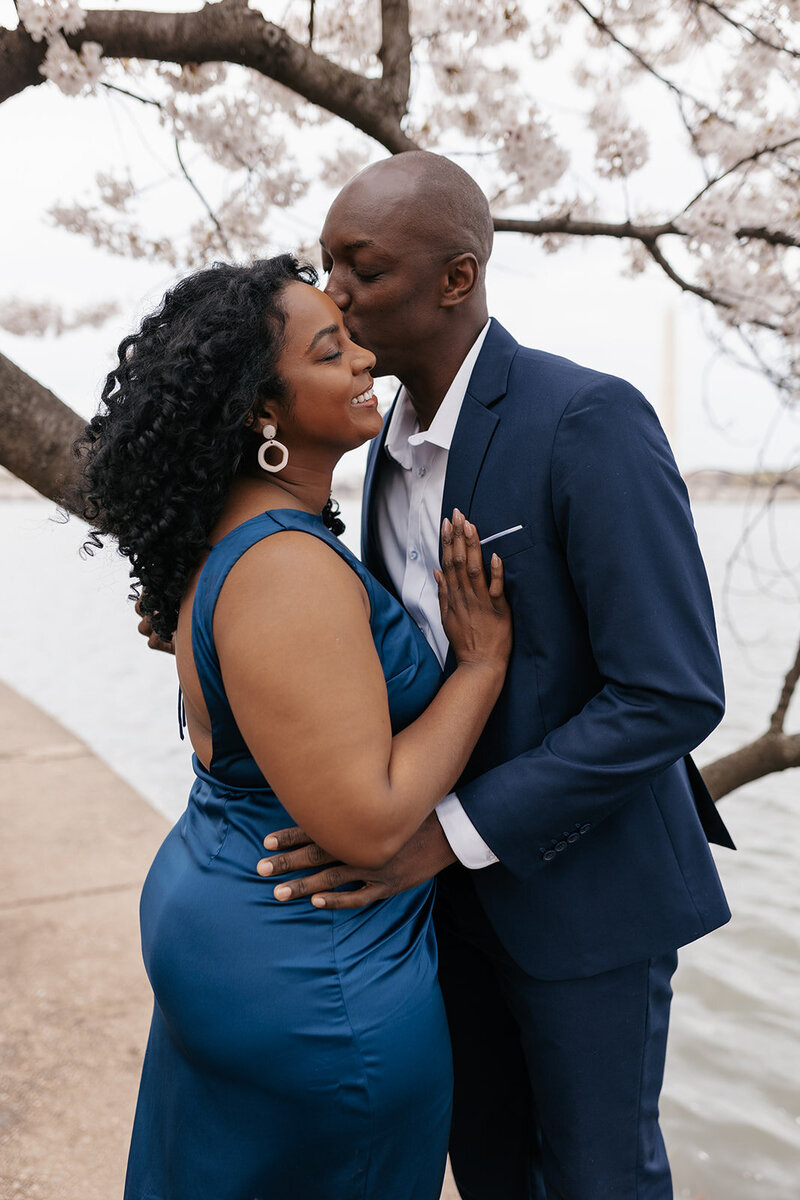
{"x": 307, "y": 690}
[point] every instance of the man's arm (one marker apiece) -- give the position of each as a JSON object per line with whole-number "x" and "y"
{"x": 622, "y": 516}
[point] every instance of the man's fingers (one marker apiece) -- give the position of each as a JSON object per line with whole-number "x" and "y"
{"x": 360, "y": 898}
{"x": 286, "y": 839}
{"x": 322, "y": 881}
{"x": 311, "y": 855}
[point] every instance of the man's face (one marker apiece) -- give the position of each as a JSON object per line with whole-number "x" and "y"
{"x": 384, "y": 271}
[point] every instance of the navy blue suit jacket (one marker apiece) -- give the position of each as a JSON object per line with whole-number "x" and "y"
{"x": 581, "y": 783}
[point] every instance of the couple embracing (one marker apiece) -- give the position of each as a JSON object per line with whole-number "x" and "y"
{"x": 502, "y": 698}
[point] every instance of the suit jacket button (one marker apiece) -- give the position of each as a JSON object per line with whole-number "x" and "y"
{"x": 573, "y": 837}
{"x": 561, "y": 846}
{"x": 549, "y": 855}
{"x": 585, "y": 828}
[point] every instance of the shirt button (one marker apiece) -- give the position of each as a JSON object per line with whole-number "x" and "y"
{"x": 422, "y": 471}
{"x": 413, "y": 555}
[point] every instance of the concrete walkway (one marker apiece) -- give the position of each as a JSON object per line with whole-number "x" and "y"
{"x": 74, "y": 998}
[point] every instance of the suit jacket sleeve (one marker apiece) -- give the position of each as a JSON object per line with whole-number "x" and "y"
{"x": 622, "y": 516}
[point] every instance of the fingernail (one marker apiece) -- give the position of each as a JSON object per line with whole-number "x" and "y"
{"x": 457, "y": 513}
{"x": 495, "y": 560}
{"x": 468, "y": 529}
{"x": 282, "y": 891}
{"x": 446, "y": 526}
{"x": 265, "y": 867}
{"x": 318, "y": 901}
{"x": 270, "y": 843}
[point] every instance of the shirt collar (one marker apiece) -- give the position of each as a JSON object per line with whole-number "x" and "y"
{"x": 404, "y": 431}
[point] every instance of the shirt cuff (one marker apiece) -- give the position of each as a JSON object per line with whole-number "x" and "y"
{"x": 466, "y": 843}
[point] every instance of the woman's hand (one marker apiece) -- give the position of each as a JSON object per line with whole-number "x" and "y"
{"x": 475, "y": 615}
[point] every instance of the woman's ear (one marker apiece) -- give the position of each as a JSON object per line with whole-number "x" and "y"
{"x": 257, "y": 421}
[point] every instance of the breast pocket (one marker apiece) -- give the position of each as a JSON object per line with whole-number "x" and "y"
{"x": 507, "y": 542}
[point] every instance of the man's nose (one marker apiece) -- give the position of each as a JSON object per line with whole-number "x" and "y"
{"x": 337, "y": 293}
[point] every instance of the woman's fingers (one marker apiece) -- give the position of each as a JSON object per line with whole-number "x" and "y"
{"x": 463, "y": 575}
{"x": 441, "y": 586}
{"x": 454, "y": 558}
{"x": 496, "y": 584}
{"x": 474, "y": 564}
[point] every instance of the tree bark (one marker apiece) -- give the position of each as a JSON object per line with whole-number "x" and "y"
{"x": 767, "y": 754}
{"x": 37, "y": 432}
{"x": 233, "y": 33}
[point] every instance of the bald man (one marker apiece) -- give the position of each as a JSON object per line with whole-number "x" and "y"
{"x": 579, "y": 831}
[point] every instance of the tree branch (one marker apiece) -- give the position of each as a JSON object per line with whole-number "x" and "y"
{"x": 767, "y": 754}
{"x": 224, "y": 32}
{"x": 200, "y": 196}
{"x": 789, "y": 684}
{"x": 648, "y": 235}
{"x": 740, "y": 27}
{"x": 395, "y": 52}
{"x": 640, "y": 60}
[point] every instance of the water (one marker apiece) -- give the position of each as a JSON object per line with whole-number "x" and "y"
{"x": 731, "y": 1105}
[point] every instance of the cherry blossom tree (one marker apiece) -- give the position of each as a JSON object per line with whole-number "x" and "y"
{"x": 559, "y": 107}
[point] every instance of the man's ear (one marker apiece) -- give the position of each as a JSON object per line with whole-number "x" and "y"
{"x": 460, "y": 279}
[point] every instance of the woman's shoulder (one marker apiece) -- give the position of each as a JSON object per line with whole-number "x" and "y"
{"x": 290, "y": 564}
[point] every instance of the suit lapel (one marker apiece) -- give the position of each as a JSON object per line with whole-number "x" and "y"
{"x": 475, "y": 428}
{"x": 477, "y": 420}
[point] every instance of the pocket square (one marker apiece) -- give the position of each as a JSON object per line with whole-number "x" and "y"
{"x": 494, "y": 536}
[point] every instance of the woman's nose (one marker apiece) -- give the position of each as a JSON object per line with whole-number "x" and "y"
{"x": 363, "y": 360}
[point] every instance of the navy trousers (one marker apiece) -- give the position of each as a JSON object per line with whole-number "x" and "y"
{"x": 556, "y": 1082}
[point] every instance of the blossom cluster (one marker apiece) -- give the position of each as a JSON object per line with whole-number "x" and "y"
{"x": 39, "y": 318}
{"x": 43, "y": 19}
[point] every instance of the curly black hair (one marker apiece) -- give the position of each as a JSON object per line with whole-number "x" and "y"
{"x": 175, "y": 422}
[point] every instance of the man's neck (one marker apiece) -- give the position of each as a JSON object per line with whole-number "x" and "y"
{"x": 428, "y": 383}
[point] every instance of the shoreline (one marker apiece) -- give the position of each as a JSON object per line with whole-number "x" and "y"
{"x": 707, "y": 483}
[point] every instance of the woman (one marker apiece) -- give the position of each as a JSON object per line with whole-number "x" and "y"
{"x": 293, "y": 1050}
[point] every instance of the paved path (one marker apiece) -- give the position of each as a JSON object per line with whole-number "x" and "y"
{"x": 74, "y": 999}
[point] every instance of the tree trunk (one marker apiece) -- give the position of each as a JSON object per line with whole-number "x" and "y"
{"x": 37, "y": 432}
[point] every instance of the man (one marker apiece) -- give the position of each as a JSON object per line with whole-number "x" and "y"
{"x": 579, "y": 831}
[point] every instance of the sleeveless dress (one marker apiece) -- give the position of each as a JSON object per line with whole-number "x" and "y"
{"x": 294, "y": 1051}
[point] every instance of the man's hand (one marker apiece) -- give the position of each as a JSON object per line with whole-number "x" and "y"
{"x": 422, "y": 857}
{"x": 153, "y": 640}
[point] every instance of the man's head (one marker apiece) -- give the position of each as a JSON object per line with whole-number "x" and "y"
{"x": 406, "y": 244}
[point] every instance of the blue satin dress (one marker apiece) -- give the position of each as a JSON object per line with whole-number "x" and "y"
{"x": 293, "y": 1052}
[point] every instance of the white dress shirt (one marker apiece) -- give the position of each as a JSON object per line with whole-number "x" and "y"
{"x": 408, "y": 508}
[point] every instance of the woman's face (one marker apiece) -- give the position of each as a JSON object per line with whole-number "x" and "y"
{"x": 332, "y": 406}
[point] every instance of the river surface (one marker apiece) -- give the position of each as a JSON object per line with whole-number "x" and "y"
{"x": 731, "y": 1103}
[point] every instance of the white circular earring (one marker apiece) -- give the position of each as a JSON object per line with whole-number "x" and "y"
{"x": 269, "y": 432}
